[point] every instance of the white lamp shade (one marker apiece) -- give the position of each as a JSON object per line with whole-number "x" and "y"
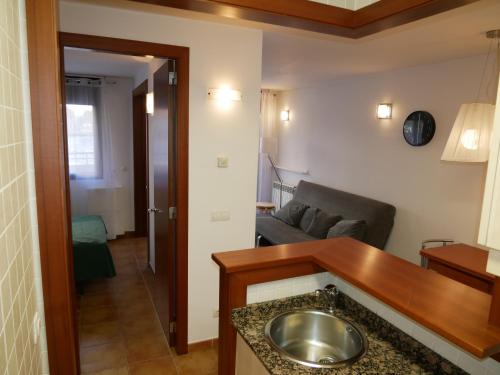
{"x": 469, "y": 139}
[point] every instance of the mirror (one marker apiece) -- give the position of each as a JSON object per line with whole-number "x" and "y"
{"x": 419, "y": 128}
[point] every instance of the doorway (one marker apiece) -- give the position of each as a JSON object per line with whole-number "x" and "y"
{"x": 168, "y": 172}
{"x": 60, "y": 306}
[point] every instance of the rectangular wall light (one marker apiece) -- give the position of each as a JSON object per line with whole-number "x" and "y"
{"x": 384, "y": 111}
{"x": 285, "y": 115}
{"x": 224, "y": 95}
{"x": 150, "y": 103}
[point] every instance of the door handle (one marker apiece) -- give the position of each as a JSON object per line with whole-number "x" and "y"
{"x": 155, "y": 210}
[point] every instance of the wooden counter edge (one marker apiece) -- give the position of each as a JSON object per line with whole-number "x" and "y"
{"x": 239, "y": 269}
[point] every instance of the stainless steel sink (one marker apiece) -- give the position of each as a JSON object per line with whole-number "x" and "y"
{"x": 316, "y": 339}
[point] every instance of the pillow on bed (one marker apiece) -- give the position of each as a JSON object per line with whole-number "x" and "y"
{"x": 348, "y": 228}
{"x": 291, "y": 213}
{"x": 316, "y": 223}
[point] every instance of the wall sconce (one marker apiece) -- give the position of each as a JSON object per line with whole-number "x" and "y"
{"x": 150, "y": 103}
{"x": 224, "y": 95}
{"x": 384, "y": 111}
{"x": 285, "y": 115}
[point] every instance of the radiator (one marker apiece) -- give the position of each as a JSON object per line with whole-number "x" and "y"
{"x": 286, "y": 195}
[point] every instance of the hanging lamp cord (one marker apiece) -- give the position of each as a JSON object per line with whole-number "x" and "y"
{"x": 484, "y": 72}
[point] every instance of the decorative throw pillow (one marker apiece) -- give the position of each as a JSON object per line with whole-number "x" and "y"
{"x": 291, "y": 213}
{"x": 316, "y": 223}
{"x": 348, "y": 228}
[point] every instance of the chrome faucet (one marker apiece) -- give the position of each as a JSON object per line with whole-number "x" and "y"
{"x": 329, "y": 294}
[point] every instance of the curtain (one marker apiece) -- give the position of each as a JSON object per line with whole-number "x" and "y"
{"x": 96, "y": 188}
{"x": 268, "y": 144}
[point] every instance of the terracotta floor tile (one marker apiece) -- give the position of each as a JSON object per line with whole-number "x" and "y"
{"x": 119, "y": 331}
{"x": 131, "y": 301}
{"x": 141, "y": 327}
{"x": 133, "y": 297}
{"x": 102, "y": 357}
{"x": 120, "y": 284}
{"x": 99, "y": 315}
{"x": 159, "y": 366}
{"x": 98, "y": 334}
{"x": 200, "y": 362}
{"x": 96, "y": 300}
{"x": 99, "y": 286}
{"x": 112, "y": 371}
{"x": 142, "y": 348}
{"x": 139, "y": 310}
{"x": 128, "y": 269}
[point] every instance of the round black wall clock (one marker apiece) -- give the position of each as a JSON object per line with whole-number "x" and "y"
{"x": 419, "y": 128}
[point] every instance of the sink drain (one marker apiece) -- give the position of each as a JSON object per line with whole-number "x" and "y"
{"x": 327, "y": 360}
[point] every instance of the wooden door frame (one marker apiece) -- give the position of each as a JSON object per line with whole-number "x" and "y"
{"x": 181, "y": 55}
{"x": 51, "y": 178}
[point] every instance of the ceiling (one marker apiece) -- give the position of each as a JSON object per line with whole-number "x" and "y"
{"x": 293, "y": 60}
{"x": 83, "y": 61}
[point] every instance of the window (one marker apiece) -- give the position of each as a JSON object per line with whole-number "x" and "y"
{"x": 84, "y": 144}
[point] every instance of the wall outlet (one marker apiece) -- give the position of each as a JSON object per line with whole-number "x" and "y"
{"x": 222, "y": 215}
{"x": 215, "y": 313}
{"x": 37, "y": 326}
{"x": 222, "y": 162}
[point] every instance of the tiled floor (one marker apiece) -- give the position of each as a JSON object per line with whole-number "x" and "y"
{"x": 119, "y": 330}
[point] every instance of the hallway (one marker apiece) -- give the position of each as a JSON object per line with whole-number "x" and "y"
{"x": 119, "y": 330}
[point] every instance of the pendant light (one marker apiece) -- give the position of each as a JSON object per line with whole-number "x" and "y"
{"x": 469, "y": 140}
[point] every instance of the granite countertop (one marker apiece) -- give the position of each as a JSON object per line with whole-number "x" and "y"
{"x": 390, "y": 351}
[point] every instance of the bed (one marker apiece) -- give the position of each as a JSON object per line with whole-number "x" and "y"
{"x": 92, "y": 258}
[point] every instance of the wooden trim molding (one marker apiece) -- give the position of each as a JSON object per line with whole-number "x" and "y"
{"x": 317, "y": 17}
{"x": 51, "y": 178}
{"x": 181, "y": 55}
{"x": 51, "y": 187}
{"x": 453, "y": 310}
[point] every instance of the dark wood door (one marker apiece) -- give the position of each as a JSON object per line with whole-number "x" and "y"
{"x": 140, "y": 135}
{"x": 163, "y": 143}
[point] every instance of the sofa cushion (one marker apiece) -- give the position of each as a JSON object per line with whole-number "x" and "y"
{"x": 316, "y": 222}
{"x": 348, "y": 228}
{"x": 277, "y": 232}
{"x": 379, "y": 216}
{"x": 291, "y": 213}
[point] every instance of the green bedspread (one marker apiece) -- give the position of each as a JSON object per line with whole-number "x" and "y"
{"x": 92, "y": 257}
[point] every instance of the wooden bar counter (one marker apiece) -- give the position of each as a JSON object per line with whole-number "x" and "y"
{"x": 453, "y": 310}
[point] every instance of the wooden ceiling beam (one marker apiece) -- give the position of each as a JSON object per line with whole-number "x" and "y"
{"x": 317, "y": 17}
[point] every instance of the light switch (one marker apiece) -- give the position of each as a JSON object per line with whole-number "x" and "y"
{"x": 222, "y": 162}
{"x": 222, "y": 215}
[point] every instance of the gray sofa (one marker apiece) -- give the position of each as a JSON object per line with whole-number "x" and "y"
{"x": 379, "y": 216}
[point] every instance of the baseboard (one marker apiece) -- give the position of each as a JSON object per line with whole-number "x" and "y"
{"x": 202, "y": 345}
{"x": 130, "y": 234}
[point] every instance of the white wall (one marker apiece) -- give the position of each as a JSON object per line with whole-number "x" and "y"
{"x": 335, "y": 135}
{"x": 219, "y": 54}
{"x": 112, "y": 197}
